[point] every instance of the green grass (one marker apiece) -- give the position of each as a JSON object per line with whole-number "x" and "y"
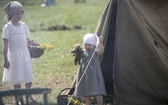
{"x": 55, "y": 68}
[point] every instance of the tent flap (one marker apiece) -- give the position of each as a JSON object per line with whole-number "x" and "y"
{"x": 136, "y": 51}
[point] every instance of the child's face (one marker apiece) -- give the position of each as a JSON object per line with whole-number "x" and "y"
{"x": 17, "y": 15}
{"x": 89, "y": 47}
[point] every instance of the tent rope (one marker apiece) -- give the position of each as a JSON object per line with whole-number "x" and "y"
{"x": 81, "y": 77}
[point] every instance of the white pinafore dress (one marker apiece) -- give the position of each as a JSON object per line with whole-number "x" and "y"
{"x": 20, "y": 70}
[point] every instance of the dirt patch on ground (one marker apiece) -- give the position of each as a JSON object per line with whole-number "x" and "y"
{"x": 60, "y": 27}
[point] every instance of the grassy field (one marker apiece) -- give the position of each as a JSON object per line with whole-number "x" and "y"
{"x": 55, "y": 69}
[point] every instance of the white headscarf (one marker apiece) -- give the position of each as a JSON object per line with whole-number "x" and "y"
{"x": 13, "y": 7}
{"x": 90, "y": 38}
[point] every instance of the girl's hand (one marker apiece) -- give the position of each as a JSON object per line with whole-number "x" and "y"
{"x": 101, "y": 47}
{"x": 101, "y": 39}
{"x": 6, "y": 64}
{"x": 31, "y": 42}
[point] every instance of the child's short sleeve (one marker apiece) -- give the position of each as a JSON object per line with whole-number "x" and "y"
{"x": 5, "y": 32}
{"x": 27, "y": 32}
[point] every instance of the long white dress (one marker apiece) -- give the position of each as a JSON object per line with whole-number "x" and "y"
{"x": 20, "y": 70}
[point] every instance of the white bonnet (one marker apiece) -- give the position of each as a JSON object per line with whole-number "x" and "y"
{"x": 90, "y": 38}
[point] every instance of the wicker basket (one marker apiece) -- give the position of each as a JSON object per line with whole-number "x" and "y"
{"x": 63, "y": 99}
{"x": 35, "y": 51}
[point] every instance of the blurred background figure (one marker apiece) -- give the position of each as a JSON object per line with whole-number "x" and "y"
{"x": 77, "y": 1}
{"x": 48, "y": 3}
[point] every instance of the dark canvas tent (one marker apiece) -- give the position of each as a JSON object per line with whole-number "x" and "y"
{"x": 135, "y": 61}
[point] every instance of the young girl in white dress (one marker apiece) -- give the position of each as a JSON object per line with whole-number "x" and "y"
{"x": 17, "y": 61}
{"x": 89, "y": 81}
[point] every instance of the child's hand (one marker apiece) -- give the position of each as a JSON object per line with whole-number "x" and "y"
{"x": 101, "y": 39}
{"x": 101, "y": 47}
{"x": 31, "y": 42}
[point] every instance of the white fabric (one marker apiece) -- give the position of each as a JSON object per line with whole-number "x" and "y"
{"x": 90, "y": 38}
{"x": 20, "y": 70}
{"x": 13, "y": 7}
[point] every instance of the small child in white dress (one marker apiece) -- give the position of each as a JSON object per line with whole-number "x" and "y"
{"x": 17, "y": 61}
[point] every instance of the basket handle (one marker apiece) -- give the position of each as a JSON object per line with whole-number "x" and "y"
{"x": 64, "y": 90}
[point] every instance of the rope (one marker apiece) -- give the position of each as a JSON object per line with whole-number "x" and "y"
{"x": 81, "y": 77}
